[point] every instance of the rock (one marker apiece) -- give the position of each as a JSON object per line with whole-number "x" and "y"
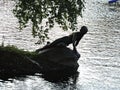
{"x": 58, "y": 59}
{"x": 14, "y": 64}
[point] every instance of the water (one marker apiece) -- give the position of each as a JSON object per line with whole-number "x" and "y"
{"x": 100, "y": 49}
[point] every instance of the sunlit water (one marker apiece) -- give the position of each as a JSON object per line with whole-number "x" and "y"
{"x": 100, "y": 49}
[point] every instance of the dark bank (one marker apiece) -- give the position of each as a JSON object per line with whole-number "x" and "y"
{"x": 15, "y": 62}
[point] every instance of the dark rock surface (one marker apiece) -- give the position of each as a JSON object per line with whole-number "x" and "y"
{"x": 59, "y": 58}
{"x": 50, "y": 61}
{"x": 13, "y": 64}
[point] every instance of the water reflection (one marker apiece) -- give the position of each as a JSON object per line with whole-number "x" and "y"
{"x": 57, "y": 77}
{"x": 37, "y": 82}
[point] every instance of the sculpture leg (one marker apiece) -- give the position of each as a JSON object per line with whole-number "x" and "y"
{"x": 76, "y": 52}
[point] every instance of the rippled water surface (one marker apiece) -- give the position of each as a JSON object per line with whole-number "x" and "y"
{"x": 100, "y": 49}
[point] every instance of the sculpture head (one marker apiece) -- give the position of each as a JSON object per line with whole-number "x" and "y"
{"x": 83, "y": 30}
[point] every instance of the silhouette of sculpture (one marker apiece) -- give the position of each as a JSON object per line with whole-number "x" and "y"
{"x": 73, "y": 38}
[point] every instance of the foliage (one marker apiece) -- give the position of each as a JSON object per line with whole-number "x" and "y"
{"x": 13, "y": 49}
{"x": 45, "y": 13}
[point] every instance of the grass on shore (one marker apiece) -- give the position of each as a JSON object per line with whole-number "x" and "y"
{"x": 14, "y": 49}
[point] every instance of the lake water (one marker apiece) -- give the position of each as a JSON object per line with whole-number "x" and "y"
{"x": 100, "y": 49}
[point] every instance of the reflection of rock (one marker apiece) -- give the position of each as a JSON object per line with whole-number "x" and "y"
{"x": 58, "y": 59}
{"x": 64, "y": 78}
